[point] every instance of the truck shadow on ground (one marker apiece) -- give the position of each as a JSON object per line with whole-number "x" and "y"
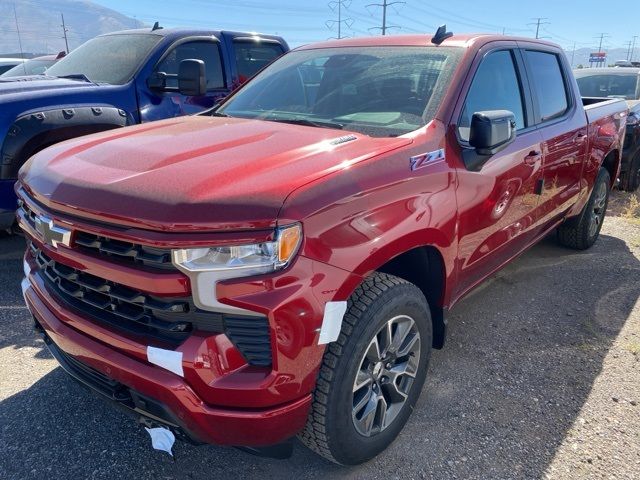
{"x": 522, "y": 354}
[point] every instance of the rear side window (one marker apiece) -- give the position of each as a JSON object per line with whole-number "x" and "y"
{"x": 208, "y": 52}
{"x": 495, "y": 86}
{"x": 548, "y": 83}
{"x": 251, "y": 57}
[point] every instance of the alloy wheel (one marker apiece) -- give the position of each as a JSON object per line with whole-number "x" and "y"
{"x": 599, "y": 207}
{"x": 385, "y": 376}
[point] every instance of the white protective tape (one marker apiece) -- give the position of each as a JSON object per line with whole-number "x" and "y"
{"x": 332, "y": 322}
{"x": 169, "y": 359}
{"x": 24, "y": 285}
{"x": 161, "y": 439}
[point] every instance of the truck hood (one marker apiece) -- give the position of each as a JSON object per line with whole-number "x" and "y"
{"x": 192, "y": 173}
{"x": 38, "y": 83}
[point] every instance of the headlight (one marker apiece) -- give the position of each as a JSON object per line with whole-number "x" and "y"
{"x": 207, "y": 266}
{"x": 244, "y": 259}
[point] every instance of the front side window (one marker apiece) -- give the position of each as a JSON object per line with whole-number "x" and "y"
{"x": 110, "y": 59}
{"x": 495, "y": 86}
{"x": 251, "y": 57}
{"x": 208, "y": 52}
{"x": 378, "y": 91}
{"x": 548, "y": 83}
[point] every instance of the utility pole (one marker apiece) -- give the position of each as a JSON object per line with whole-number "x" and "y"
{"x": 633, "y": 48}
{"x": 573, "y": 53}
{"x": 385, "y": 4}
{"x": 337, "y": 6}
{"x": 629, "y": 43}
{"x": 538, "y": 23}
{"x": 15, "y": 15}
{"x": 64, "y": 31}
{"x": 602, "y": 37}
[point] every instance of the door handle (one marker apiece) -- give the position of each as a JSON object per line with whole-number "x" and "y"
{"x": 580, "y": 138}
{"x": 532, "y": 158}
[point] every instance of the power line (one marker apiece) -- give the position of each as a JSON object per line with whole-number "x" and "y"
{"x": 337, "y": 6}
{"x": 538, "y": 22}
{"x": 385, "y": 4}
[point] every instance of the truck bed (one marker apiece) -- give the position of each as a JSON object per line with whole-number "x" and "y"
{"x": 599, "y": 108}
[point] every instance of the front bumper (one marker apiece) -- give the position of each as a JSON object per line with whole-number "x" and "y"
{"x": 160, "y": 395}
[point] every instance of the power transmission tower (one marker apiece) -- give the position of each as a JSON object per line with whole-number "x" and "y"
{"x": 385, "y": 4}
{"x": 337, "y": 6}
{"x": 538, "y": 23}
{"x": 64, "y": 31}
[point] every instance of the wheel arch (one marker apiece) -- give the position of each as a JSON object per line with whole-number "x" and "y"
{"x": 425, "y": 266}
{"x": 611, "y": 162}
{"x": 34, "y": 131}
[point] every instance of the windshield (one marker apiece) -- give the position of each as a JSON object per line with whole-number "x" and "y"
{"x": 32, "y": 67}
{"x": 610, "y": 85}
{"x": 110, "y": 59}
{"x": 378, "y": 91}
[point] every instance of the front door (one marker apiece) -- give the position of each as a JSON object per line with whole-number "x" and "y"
{"x": 497, "y": 203}
{"x": 168, "y": 102}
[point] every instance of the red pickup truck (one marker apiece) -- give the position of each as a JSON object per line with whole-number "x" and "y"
{"x": 282, "y": 264}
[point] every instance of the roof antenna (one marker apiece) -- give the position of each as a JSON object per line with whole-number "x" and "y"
{"x": 156, "y": 26}
{"x": 441, "y": 35}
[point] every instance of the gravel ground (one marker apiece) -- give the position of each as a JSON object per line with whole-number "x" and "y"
{"x": 540, "y": 378}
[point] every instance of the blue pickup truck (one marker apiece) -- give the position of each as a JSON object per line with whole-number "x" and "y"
{"x": 121, "y": 79}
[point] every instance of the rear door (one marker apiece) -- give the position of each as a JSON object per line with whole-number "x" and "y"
{"x": 496, "y": 203}
{"x": 251, "y": 54}
{"x": 560, "y": 118}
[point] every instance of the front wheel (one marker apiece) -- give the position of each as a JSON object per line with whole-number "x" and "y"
{"x": 371, "y": 377}
{"x": 582, "y": 232}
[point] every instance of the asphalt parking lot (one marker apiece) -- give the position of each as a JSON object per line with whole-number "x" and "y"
{"x": 540, "y": 378}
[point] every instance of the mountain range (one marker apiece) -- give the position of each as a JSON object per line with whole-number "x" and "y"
{"x": 40, "y": 24}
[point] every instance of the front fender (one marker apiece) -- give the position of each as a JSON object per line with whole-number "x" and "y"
{"x": 35, "y": 130}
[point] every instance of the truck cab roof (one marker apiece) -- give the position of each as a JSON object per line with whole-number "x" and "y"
{"x": 178, "y": 33}
{"x": 462, "y": 40}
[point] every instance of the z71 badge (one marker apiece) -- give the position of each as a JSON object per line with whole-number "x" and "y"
{"x": 426, "y": 159}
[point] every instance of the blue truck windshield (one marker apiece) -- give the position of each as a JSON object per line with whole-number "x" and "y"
{"x": 110, "y": 59}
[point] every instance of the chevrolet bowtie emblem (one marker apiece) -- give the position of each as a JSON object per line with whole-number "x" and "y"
{"x": 51, "y": 233}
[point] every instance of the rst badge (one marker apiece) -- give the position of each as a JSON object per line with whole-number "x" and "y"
{"x": 425, "y": 159}
{"x": 51, "y": 233}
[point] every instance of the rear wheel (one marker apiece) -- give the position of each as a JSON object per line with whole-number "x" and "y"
{"x": 582, "y": 232}
{"x": 371, "y": 377}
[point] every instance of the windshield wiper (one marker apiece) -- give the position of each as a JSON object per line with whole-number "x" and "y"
{"x": 76, "y": 76}
{"x": 306, "y": 122}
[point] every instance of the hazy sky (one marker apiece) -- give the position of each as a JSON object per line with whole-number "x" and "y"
{"x": 300, "y": 21}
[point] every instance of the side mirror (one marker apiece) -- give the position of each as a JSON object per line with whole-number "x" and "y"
{"x": 192, "y": 81}
{"x": 157, "y": 81}
{"x": 492, "y": 130}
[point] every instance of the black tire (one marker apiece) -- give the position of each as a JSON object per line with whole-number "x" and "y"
{"x": 631, "y": 179}
{"x": 582, "y": 232}
{"x": 331, "y": 429}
